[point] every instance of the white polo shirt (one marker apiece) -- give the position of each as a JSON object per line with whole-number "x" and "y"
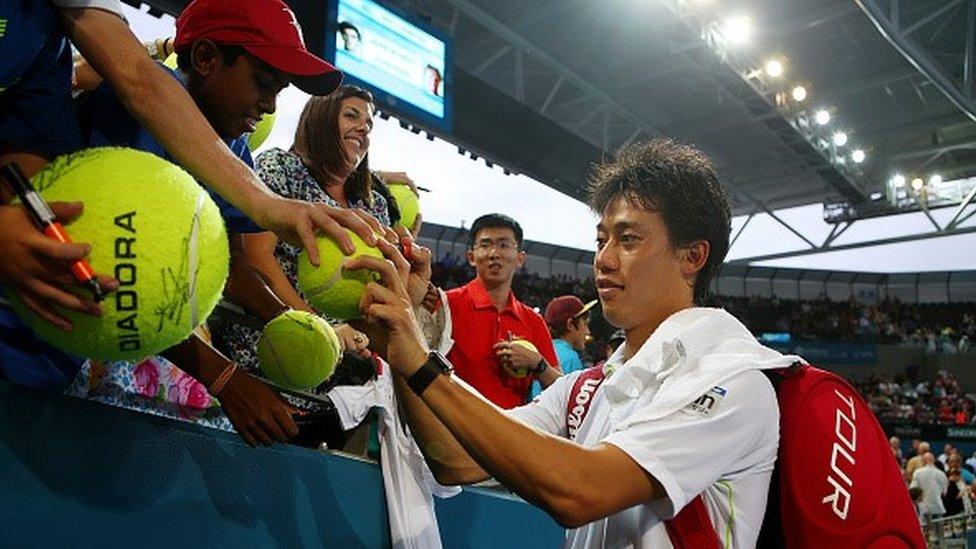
{"x": 726, "y": 450}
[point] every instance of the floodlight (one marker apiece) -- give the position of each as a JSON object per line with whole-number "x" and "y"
{"x": 774, "y": 68}
{"x": 799, "y": 93}
{"x": 738, "y": 30}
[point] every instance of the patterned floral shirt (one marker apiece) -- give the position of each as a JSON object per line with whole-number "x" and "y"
{"x": 283, "y": 172}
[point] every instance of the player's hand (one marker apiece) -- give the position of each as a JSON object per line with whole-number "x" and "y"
{"x": 516, "y": 357}
{"x": 38, "y": 270}
{"x": 388, "y": 306}
{"x": 432, "y": 299}
{"x": 258, "y": 413}
{"x": 418, "y": 281}
{"x": 352, "y": 340}
{"x": 297, "y": 222}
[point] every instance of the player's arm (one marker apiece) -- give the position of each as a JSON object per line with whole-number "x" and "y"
{"x": 161, "y": 104}
{"x": 574, "y": 484}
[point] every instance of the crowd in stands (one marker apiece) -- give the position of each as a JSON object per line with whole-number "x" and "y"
{"x": 937, "y": 327}
{"x": 940, "y": 486}
{"x": 532, "y": 289}
{"x": 940, "y": 401}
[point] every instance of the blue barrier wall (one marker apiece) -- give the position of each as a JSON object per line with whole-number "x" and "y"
{"x": 79, "y": 474}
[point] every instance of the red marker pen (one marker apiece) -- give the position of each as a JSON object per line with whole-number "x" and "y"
{"x": 47, "y": 222}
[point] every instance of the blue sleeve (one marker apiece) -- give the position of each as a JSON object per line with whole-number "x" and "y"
{"x": 236, "y": 220}
{"x": 37, "y": 112}
{"x": 107, "y": 123}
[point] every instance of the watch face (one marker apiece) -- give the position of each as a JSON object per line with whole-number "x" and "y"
{"x": 438, "y": 361}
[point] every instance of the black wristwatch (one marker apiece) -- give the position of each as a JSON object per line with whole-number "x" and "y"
{"x": 540, "y": 368}
{"x": 436, "y": 365}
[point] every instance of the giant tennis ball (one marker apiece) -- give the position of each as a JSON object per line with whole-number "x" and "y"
{"x": 523, "y": 372}
{"x": 332, "y": 290}
{"x": 261, "y": 131}
{"x": 408, "y": 203}
{"x": 151, "y": 226}
{"x": 298, "y": 350}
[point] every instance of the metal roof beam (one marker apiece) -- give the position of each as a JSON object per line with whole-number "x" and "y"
{"x": 516, "y": 40}
{"x": 918, "y": 57}
{"x": 856, "y": 245}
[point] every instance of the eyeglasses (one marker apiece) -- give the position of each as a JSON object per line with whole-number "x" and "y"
{"x": 501, "y": 245}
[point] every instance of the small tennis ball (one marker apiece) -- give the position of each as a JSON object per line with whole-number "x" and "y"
{"x": 523, "y": 372}
{"x": 298, "y": 350}
{"x": 171, "y": 61}
{"x": 261, "y": 131}
{"x": 332, "y": 290}
{"x": 408, "y": 203}
{"x": 152, "y": 227}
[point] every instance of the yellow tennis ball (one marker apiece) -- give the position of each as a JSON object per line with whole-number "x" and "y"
{"x": 330, "y": 289}
{"x": 151, "y": 226}
{"x": 407, "y": 202}
{"x": 170, "y": 61}
{"x": 523, "y": 372}
{"x": 261, "y": 131}
{"x": 298, "y": 350}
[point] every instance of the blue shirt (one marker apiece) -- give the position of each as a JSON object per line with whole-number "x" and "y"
{"x": 569, "y": 361}
{"x": 109, "y": 124}
{"x": 37, "y": 113}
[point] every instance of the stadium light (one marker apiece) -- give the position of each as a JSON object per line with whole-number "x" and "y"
{"x": 917, "y": 184}
{"x": 898, "y": 180}
{"x": 774, "y": 68}
{"x": 858, "y": 156}
{"x": 840, "y": 139}
{"x": 935, "y": 180}
{"x": 737, "y": 30}
{"x": 822, "y": 117}
{"x": 799, "y": 93}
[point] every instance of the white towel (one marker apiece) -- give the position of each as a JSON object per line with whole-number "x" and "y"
{"x": 690, "y": 352}
{"x": 407, "y": 481}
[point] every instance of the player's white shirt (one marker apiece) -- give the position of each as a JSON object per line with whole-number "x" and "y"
{"x": 725, "y": 449}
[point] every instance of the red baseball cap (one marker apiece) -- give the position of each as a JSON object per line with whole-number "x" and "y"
{"x": 565, "y": 307}
{"x": 267, "y": 29}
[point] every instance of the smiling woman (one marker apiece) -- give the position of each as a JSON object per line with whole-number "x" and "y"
{"x": 328, "y": 164}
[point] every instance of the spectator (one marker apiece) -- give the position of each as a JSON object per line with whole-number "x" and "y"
{"x": 934, "y": 484}
{"x": 568, "y": 320}
{"x": 895, "y": 444}
{"x": 916, "y": 461}
{"x": 487, "y": 316}
{"x": 946, "y": 452}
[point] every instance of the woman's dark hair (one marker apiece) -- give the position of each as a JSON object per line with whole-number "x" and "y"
{"x": 392, "y": 208}
{"x": 680, "y": 183}
{"x": 318, "y": 144}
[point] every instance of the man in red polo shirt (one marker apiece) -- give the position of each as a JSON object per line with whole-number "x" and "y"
{"x": 487, "y": 319}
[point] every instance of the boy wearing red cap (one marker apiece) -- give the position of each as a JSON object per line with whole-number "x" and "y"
{"x": 234, "y": 58}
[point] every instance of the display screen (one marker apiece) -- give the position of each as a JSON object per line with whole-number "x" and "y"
{"x": 404, "y": 64}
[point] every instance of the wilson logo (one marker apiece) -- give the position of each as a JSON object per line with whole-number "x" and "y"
{"x": 583, "y": 400}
